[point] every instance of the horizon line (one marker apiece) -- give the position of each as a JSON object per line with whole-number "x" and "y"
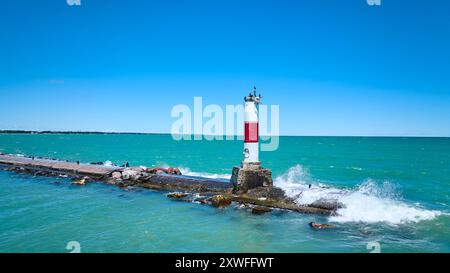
{"x": 74, "y": 132}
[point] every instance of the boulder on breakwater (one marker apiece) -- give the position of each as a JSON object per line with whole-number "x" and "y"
{"x": 177, "y": 195}
{"x": 220, "y": 201}
{"x": 327, "y": 204}
{"x": 261, "y": 210}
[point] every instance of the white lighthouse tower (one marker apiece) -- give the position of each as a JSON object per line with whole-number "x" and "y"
{"x": 251, "y": 131}
{"x": 250, "y": 175}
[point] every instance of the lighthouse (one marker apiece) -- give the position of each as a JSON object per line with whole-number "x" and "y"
{"x": 251, "y": 175}
{"x": 251, "y": 131}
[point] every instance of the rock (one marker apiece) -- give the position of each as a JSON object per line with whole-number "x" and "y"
{"x": 160, "y": 170}
{"x": 260, "y": 210}
{"x": 327, "y": 204}
{"x": 82, "y": 181}
{"x": 79, "y": 182}
{"x": 220, "y": 201}
{"x": 131, "y": 174}
{"x": 116, "y": 175}
{"x": 177, "y": 195}
{"x": 267, "y": 192}
{"x": 320, "y": 226}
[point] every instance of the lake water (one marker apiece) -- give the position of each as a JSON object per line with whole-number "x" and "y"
{"x": 396, "y": 193}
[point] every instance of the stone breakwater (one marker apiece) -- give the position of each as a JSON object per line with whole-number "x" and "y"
{"x": 216, "y": 192}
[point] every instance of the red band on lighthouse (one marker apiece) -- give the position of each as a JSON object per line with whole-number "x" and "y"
{"x": 251, "y": 132}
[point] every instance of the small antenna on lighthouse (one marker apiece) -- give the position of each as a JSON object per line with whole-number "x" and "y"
{"x": 253, "y": 97}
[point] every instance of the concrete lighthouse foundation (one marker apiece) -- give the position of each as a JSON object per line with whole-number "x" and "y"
{"x": 250, "y": 175}
{"x": 244, "y": 179}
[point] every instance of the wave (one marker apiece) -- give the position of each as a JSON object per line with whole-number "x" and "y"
{"x": 108, "y": 163}
{"x": 370, "y": 202}
{"x": 187, "y": 171}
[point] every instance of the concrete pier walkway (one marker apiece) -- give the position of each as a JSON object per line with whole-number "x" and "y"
{"x": 94, "y": 171}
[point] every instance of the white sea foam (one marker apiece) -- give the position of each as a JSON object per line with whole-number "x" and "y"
{"x": 370, "y": 202}
{"x": 108, "y": 163}
{"x": 187, "y": 171}
{"x": 354, "y": 168}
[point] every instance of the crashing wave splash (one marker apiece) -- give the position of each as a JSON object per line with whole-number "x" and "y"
{"x": 370, "y": 202}
{"x": 108, "y": 163}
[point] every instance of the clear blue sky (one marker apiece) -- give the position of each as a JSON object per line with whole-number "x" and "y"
{"x": 335, "y": 67}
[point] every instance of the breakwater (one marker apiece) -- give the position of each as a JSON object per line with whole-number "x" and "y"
{"x": 216, "y": 192}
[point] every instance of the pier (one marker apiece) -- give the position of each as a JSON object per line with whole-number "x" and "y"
{"x": 217, "y": 192}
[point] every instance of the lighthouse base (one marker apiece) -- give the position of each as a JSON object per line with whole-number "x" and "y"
{"x": 244, "y": 179}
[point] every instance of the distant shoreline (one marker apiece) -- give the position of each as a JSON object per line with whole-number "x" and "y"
{"x": 30, "y": 132}
{"x": 73, "y": 133}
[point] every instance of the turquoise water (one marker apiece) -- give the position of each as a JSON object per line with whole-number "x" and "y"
{"x": 396, "y": 192}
